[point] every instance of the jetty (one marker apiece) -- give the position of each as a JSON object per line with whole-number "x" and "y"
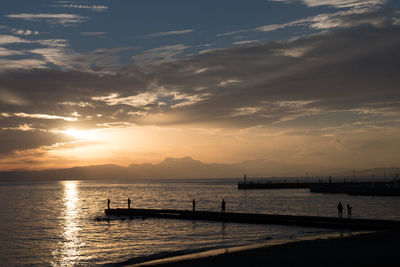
{"x": 275, "y": 185}
{"x": 305, "y": 184}
{"x": 360, "y": 189}
{"x": 255, "y": 218}
{"x": 350, "y": 187}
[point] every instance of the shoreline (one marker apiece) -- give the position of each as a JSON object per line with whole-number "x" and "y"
{"x": 347, "y": 249}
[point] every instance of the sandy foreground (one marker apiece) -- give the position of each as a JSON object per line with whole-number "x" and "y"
{"x": 370, "y": 249}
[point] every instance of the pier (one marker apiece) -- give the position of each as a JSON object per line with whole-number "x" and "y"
{"x": 254, "y": 218}
{"x": 305, "y": 184}
{"x": 364, "y": 188}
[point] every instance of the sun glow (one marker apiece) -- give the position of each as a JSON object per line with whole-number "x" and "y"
{"x": 81, "y": 134}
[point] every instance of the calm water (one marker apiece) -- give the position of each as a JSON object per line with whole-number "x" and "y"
{"x": 54, "y": 223}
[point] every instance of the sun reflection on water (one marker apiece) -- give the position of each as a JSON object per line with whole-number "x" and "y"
{"x": 71, "y": 244}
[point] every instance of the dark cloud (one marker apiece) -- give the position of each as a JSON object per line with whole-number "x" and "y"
{"x": 14, "y": 140}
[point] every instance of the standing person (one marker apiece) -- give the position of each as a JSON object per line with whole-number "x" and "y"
{"x": 340, "y": 209}
{"x": 108, "y": 203}
{"x": 223, "y": 204}
{"x": 349, "y": 208}
{"x": 194, "y": 204}
{"x": 129, "y": 203}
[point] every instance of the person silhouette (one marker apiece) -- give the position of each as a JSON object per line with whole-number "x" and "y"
{"x": 108, "y": 203}
{"x": 349, "y": 208}
{"x": 223, "y": 204}
{"x": 194, "y": 204}
{"x": 129, "y": 203}
{"x": 340, "y": 209}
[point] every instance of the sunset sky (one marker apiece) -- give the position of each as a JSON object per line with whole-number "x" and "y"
{"x": 303, "y": 82}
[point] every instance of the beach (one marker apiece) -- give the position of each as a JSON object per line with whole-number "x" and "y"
{"x": 368, "y": 249}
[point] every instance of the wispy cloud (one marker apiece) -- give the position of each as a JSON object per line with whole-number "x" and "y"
{"x": 4, "y": 52}
{"x": 11, "y": 39}
{"x": 139, "y": 100}
{"x": 11, "y": 98}
{"x": 246, "y": 42}
{"x": 160, "y": 55}
{"x": 336, "y": 3}
{"x": 24, "y": 32}
{"x": 21, "y": 64}
{"x": 158, "y": 98}
{"x": 245, "y": 111}
{"x": 341, "y": 19}
{"x": 23, "y": 127}
{"x": 64, "y": 19}
{"x": 53, "y": 42}
{"x": 160, "y": 34}
{"x": 39, "y": 116}
{"x": 92, "y": 7}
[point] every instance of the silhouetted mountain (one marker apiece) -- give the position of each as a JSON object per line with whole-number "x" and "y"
{"x": 178, "y": 168}
{"x": 108, "y": 171}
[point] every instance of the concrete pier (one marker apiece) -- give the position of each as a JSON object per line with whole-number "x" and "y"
{"x": 254, "y": 218}
{"x": 289, "y": 185}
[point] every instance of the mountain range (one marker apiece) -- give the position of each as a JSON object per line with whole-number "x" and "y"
{"x": 179, "y": 168}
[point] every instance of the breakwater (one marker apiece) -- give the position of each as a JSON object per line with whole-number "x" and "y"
{"x": 367, "y": 188}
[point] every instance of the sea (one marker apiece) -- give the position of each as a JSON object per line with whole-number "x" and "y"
{"x": 62, "y": 223}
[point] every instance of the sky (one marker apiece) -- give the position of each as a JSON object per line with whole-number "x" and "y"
{"x": 311, "y": 83}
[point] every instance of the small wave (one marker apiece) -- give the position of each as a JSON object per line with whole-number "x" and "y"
{"x": 115, "y": 218}
{"x": 162, "y": 255}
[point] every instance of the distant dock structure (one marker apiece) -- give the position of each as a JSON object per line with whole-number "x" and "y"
{"x": 344, "y": 185}
{"x": 273, "y": 183}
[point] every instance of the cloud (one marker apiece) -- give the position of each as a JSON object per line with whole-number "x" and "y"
{"x": 63, "y": 19}
{"x": 336, "y": 3}
{"x": 23, "y": 127}
{"x": 246, "y": 42}
{"x": 14, "y": 140}
{"x": 159, "y": 55}
{"x": 39, "y": 116}
{"x": 53, "y": 42}
{"x": 160, "y": 97}
{"x": 352, "y": 18}
{"x": 24, "y": 32}
{"x": 10, "y": 39}
{"x": 58, "y": 54}
{"x": 9, "y": 97}
{"x": 98, "y": 8}
{"x": 245, "y": 111}
{"x": 342, "y": 19}
{"x": 4, "y": 52}
{"x": 298, "y": 51}
{"x": 20, "y": 64}
{"x": 139, "y": 100}
{"x": 160, "y": 34}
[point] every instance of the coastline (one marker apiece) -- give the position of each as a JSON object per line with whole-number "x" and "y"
{"x": 357, "y": 249}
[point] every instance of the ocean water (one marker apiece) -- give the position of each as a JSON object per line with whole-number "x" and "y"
{"x": 63, "y": 223}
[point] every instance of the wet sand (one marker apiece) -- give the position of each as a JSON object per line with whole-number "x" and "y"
{"x": 371, "y": 249}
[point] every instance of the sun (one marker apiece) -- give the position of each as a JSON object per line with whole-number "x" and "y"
{"x": 81, "y": 134}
